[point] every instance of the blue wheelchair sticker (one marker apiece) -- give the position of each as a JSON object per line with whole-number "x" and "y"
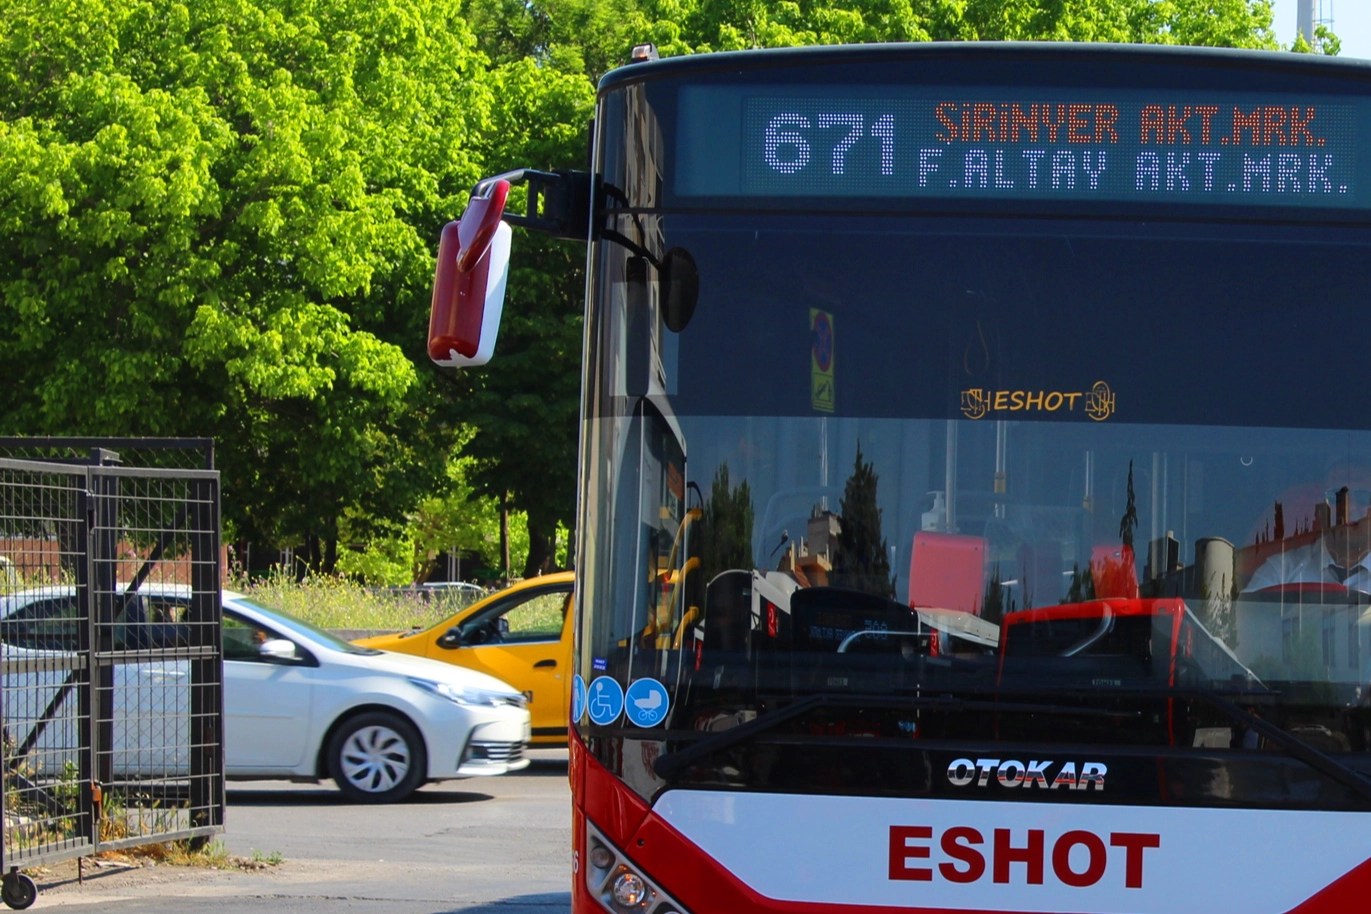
{"x": 605, "y": 699}
{"x": 578, "y": 697}
{"x": 647, "y": 703}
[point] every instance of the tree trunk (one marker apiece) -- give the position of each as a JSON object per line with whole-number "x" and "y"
{"x": 331, "y": 555}
{"x": 504, "y": 537}
{"x": 542, "y": 550}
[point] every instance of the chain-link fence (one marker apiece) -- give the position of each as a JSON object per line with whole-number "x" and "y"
{"x": 149, "y": 453}
{"x": 111, "y": 700}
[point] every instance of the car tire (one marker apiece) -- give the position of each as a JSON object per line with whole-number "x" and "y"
{"x": 377, "y": 757}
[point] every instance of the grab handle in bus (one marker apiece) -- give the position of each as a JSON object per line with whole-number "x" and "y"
{"x": 692, "y": 616}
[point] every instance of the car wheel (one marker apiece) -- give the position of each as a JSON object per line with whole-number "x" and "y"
{"x": 377, "y": 757}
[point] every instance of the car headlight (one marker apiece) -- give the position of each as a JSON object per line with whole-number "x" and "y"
{"x": 469, "y": 697}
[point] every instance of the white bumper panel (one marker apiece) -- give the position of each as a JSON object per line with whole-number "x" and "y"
{"x": 1020, "y": 857}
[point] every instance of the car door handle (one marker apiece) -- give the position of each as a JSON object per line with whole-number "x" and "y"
{"x": 544, "y": 664}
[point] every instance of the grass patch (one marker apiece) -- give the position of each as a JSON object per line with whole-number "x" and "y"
{"x": 330, "y": 602}
{"x": 209, "y": 854}
{"x": 260, "y": 860}
{"x": 173, "y": 853}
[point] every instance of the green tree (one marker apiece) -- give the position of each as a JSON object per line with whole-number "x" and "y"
{"x": 525, "y": 404}
{"x": 216, "y": 213}
{"x": 862, "y": 560}
{"x": 1325, "y": 42}
{"x": 725, "y": 531}
{"x": 1129, "y": 521}
{"x": 570, "y": 36}
{"x": 692, "y": 26}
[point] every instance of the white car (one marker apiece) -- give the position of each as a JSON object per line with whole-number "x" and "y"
{"x": 298, "y": 702}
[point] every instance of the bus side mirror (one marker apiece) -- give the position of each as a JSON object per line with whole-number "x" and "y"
{"x": 469, "y": 282}
{"x": 680, "y": 283}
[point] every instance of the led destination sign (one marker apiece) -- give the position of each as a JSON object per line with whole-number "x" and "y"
{"x": 1026, "y": 144}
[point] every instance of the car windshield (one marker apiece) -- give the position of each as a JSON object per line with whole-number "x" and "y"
{"x": 294, "y": 626}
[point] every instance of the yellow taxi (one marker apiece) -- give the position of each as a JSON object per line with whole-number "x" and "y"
{"x": 521, "y": 635}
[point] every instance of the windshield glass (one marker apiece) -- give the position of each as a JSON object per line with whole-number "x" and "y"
{"x": 988, "y": 456}
{"x": 299, "y": 627}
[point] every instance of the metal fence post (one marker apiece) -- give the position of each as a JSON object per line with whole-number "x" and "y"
{"x": 103, "y": 545}
{"x": 206, "y": 671}
{"x": 88, "y": 814}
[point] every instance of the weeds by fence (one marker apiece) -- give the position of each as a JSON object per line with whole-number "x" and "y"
{"x": 337, "y": 603}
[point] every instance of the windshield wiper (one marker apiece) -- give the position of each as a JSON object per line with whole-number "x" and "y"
{"x": 673, "y": 762}
{"x": 1297, "y": 748}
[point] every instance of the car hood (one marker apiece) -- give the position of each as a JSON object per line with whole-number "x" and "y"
{"x": 387, "y": 642}
{"x": 424, "y": 668}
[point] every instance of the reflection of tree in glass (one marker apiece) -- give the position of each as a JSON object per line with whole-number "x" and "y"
{"x": 1130, "y": 513}
{"x": 1082, "y": 586}
{"x": 861, "y": 561}
{"x": 726, "y": 527}
{"x": 997, "y": 604}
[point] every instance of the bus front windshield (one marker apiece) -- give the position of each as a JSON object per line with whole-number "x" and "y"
{"x": 1120, "y": 472}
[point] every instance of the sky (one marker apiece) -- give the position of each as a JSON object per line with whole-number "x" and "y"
{"x": 1351, "y": 23}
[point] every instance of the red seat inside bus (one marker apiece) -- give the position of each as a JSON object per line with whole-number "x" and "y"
{"x": 947, "y": 571}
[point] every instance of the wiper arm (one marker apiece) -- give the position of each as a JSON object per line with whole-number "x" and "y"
{"x": 673, "y": 762}
{"x": 1297, "y": 748}
{"x": 1324, "y": 764}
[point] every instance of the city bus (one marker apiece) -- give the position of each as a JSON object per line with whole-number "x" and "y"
{"x": 1062, "y": 341}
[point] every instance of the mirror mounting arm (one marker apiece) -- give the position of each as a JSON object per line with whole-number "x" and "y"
{"x": 558, "y": 201}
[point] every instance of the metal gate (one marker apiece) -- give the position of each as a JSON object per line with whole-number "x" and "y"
{"x": 111, "y": 702}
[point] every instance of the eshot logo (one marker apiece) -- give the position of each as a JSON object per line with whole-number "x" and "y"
{"x": 1098, "y": 402}
{"x": 1077, "y": 859}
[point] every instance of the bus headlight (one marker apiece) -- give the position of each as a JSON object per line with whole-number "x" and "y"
{"x": 629, "y": 890}
{"x": 617, "y": 884}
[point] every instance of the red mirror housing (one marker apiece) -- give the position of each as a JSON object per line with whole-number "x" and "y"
{"x": 477, "y": 225}
{"x": 469, "y": 282}
{"x": 465, "y": 318}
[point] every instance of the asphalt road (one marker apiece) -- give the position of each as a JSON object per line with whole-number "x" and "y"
{"x": 478, "y": 846}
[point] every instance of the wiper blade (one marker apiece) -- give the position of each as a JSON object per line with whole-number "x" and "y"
{"x": 673, "y": 762}
{"x": 1324, "y": 764}
{"x": 1297, "y": 748}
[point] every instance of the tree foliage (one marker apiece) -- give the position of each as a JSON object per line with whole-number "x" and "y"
{"x": 592, "y": 35}
{"x": 219, "y": 219}
{"x": 725, "y": 528}
{"x": 213, "y": 207}
{"x": 861, "y": 560}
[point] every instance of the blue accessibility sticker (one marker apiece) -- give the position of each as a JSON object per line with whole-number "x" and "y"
{"x": 578, "y": 698}
{"x": 646, "y": 703}
{"x": 605, "y": 698}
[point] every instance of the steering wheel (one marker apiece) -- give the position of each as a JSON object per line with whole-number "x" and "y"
{"x": 484, "y": 633}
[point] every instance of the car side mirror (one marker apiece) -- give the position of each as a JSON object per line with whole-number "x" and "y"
{"x": 277, "y": 650}
{"x": 451, "y": 638}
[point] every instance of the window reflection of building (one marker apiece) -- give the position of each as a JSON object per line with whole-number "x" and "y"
{"x": 1304, "y": 594}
